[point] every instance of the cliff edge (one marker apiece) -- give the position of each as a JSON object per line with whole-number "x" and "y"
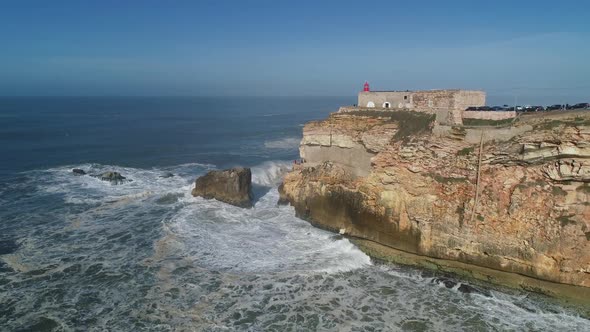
{"x": 511, "y": 197}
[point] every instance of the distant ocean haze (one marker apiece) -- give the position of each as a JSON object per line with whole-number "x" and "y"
{"x": 153, "y": 131}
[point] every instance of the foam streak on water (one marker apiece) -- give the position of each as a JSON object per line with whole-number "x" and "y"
{"x": 81, "y": 253}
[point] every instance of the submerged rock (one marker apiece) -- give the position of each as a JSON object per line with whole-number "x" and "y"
{"x": 78, "y": 171}
{"x": 8, "y": 247}
{"x": 448, "y": 283}
{"x": 44, "y": 324}
{"x": 167, "y": 175}
{"x": 232, "y": 186}
{"x": 113, "y": 177}
{"x": 467, "y": 289}
{"x": 169, "y": 199}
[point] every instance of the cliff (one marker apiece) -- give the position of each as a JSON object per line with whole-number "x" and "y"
{"x": 514, "y": 198}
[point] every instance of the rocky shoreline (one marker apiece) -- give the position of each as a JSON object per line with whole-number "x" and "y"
{"x": 513, "y": 198}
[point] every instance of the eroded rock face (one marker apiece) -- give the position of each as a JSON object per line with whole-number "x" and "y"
{"x": 232, "y": 186}
{"x": 532, "y": 215}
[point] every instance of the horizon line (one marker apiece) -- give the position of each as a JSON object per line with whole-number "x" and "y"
{"x": 172, "y": 96}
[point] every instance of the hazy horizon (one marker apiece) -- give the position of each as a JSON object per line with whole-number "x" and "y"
{"x": 492, "y": 100}
{"x": 534, "y": 51}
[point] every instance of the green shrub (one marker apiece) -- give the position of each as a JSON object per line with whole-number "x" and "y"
{"x": 466, "y": 151}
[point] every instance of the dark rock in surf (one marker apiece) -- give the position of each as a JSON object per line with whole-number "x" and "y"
{"x": 444, "y": 281}
{"x": 232, "y": 186}
{"x": 467, "y": 289}
{"x": 113, "y": 177}
{"x": 167, "y": 175}
{"x": 78, "y": 171}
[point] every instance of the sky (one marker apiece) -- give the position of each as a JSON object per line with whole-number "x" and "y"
{"x": 532, "y": 50}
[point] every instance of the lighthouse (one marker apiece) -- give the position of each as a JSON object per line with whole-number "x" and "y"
{"x": 366, "y": 87}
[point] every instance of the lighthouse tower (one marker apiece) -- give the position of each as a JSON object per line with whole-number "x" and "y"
{"x": 366, "y": 87}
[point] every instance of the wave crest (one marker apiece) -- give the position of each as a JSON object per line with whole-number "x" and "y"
{"x": 270, "y": 173}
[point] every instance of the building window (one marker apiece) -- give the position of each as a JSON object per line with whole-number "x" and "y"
{"x": 386, "y": 105}
{"x": 371, "y": 104}
{"x": 405, "y": 97}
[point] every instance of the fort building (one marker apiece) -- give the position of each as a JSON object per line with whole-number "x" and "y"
{"x": 424, "y": 101}
{"x": 449, "y": 105}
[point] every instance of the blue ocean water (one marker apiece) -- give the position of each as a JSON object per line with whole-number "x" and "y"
{"x": 147, "y": 132}
{"x": 81, "y": 254}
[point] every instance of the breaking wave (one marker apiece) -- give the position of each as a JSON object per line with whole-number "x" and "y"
{"x": 270, "y": 173}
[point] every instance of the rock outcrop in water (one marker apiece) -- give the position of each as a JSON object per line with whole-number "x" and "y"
{"x": 113, "y": 177}
{"x": 78, "y": 171}
{"x": 167, "y": 175}
{"x": 232, "y": 186}
{"x": 513, "y": 199}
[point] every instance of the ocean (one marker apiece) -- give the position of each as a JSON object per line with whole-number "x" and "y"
{"x": 81, "y": 254}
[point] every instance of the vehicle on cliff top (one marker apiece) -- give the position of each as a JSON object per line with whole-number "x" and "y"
{"x": 581, "y": 106}
{"x": 530, "y": 108}
{"x": 554, "y": 107}
{"x": 533, "y": 109}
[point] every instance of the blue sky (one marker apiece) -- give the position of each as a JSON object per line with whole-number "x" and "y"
{"x": 532, "y": 49}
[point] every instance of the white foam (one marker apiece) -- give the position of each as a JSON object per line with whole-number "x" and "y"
{"x": 262, "y": 239}
{"x": 270, "y": 173}
{"x": 267, "y": 237}
{"x": 140, "y": 184}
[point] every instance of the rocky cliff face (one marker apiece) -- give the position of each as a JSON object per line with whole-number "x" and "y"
{"x": 514, "y": 199}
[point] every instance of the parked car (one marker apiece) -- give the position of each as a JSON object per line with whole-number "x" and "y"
{"x": 554, "y": 107}
{"x": 498, "y": 108}
{"x": 581, "y": 106}
{"x": 534, "y": 108}
{"x": 479, "y": 108}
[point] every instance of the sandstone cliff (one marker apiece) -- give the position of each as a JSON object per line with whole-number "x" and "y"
{"x": 513, "y": 199}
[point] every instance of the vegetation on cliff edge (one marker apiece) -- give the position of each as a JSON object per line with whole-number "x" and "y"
{"x": 410, "y": 122}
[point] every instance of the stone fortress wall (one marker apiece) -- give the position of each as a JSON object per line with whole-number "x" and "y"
{"x": 448, "y": 105}
{"x": 425, "y": 101}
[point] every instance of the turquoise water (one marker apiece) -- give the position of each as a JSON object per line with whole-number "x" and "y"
{"x": 81, "y": 254}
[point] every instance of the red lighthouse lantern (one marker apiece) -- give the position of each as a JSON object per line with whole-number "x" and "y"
{"x": 366, "y": 87}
